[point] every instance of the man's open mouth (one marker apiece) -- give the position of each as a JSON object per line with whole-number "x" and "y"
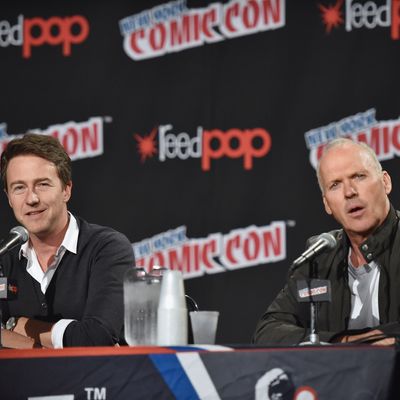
{"x": 354, "y": 210}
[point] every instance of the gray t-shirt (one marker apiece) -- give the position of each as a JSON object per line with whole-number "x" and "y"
{"x": 364, "y": 288}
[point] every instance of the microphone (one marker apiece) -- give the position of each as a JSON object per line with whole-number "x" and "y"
{"x": 324, "y": 242}
{"x": 18, "y": 235}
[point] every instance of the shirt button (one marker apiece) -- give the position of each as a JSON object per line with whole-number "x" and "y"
{"x": 364, "y": 247}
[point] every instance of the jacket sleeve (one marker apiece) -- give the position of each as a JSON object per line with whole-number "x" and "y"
{"x": 102, "y": 321}
{"x": 286, "y": 321}
{"x": 281, "y": 324}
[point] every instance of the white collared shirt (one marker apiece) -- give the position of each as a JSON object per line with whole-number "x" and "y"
{"x": 70, "y": 243}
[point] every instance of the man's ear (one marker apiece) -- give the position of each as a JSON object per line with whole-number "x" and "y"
{"x": 67, "y": 191}
{"x": 326, "y": 205}
{"x": 387, "y": 182}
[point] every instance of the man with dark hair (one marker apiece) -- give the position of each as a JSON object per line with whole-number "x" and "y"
{"x": 70, "y": 272}
{"x": 363, "y": 267}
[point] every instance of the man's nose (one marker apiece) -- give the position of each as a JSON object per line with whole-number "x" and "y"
{"x": 349, "y": 190}
{"x": 32, "y": 197}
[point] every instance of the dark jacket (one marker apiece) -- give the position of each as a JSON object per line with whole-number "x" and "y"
{"x": 287, "y": 322}
{"x": 87, "y": 287}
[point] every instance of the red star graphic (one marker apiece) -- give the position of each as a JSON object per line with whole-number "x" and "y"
{"x": 146, "y": 144}
{"x": 331, "y": 15}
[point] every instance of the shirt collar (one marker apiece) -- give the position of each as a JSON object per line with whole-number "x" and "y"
{"x": 70, "y": 241}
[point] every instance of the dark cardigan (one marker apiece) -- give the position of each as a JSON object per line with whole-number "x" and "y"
{"x": 87, "y": 287}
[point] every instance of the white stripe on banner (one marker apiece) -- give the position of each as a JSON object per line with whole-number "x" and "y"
{"x": 57, "y": 397}
{"x": 213, "y": 347}
{"x": 198, "y": 375}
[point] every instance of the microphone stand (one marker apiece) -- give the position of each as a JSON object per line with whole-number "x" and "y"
{"x": 313, "y": 337}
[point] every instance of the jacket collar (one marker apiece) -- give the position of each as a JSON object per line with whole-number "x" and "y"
{"x": 379, "y": 241}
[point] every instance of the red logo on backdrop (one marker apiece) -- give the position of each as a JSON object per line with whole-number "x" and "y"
{"x": 331, "y": 15}
{"x": 147, "y": 145}
{"x": 54, "y": 31}
{"x": 35, "y": 32}
{"x": 216, "y": 253}
{"x": 382, "y": 136}
{"x": 245, "y": 148}
{"x": 362, "y": 14}
{"x": 208, "y": 145}
{"x": 173, "y": 27}
{"x": 80, "y": 139}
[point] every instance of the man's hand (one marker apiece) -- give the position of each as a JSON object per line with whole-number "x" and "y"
{"x": 38, "y": 331}
{"x": 13, "y": 340}
{"x": 366, "y": 336}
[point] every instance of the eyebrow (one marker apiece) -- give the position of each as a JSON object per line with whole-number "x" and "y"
{"x": 19, "y": 182}
{"x": 352, "y": 175}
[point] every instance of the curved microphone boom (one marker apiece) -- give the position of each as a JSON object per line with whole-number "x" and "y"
{"x": 324, "y": 242}
{"x": 18, "y": 235}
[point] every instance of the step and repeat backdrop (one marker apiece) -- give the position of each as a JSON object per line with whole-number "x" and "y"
{"x": 195, "y": 127}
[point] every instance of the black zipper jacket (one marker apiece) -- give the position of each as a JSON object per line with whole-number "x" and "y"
{"x": 287, "y": 322}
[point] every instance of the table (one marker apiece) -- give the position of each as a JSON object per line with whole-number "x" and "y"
{"x": 191, "y": 372}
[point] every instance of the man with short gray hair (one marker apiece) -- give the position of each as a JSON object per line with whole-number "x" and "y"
{"x": 363, "y": 267}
